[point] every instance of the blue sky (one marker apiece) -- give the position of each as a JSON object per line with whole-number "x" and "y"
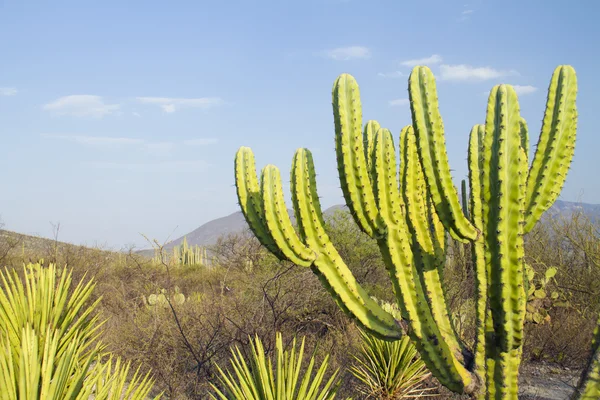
{"x": 123, "y": 117}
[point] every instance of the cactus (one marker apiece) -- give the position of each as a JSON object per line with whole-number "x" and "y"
{"x": 408, "y": 216}
{"x": 182, "y": 255}
{"x": 161, "y": 299}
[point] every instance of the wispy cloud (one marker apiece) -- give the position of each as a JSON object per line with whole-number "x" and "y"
{"x": 97, "y": 140}
{"x": 465, "y": 14}
{"x": 136, "y": 114}
{"x": 395, "y": 74}
{"x": 165, "y": 166}
{"x": 171, "y": 104}
{"x": 398, "y": 102}
{"x": 162, "y": 149}
{"x": 348, "y": 53}
{"x": 83, "y": 105}
{"x": 200, "y": 141}
{"x": 468, "y": 73}
{"x": 8, "y": 91}
{"x": 433, "y": 59}
{"x": 523, "y": 90}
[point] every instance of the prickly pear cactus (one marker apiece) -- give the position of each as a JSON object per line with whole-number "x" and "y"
{"x": 160, "y": 299}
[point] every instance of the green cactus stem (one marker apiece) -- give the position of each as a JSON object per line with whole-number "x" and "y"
{"x": 555, "y": 147}
{"x": 429, "y": 128}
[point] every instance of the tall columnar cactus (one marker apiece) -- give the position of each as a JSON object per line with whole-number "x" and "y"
{"x": 183, "y": 254}
{"x": 408, "y": 214}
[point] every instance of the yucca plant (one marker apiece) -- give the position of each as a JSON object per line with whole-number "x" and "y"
{"x": 257, "y": 380}
{"x": 49, "y": 347}
{"x": 389, "y": 369}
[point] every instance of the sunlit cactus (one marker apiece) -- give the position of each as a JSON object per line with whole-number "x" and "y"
{"x": 409, "y": 213}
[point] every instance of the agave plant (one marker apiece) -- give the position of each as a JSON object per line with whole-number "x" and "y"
{"x": 257, "y": 380}
{"x": 389, "y": 369}
{"x": 49, "y": 347}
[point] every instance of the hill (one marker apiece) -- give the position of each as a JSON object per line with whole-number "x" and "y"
{"x": 208, "y": 233}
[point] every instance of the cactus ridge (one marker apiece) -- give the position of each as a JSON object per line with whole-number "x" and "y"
{"x": 334, "y": 271}
{"x": 250, "y": 201}
{"x": 429, "y": 128}
{"x": 503, "y": 189}
{"x": 278, "y": 220}
{"x": 352, "y": 164}
{"x": 371, "y": 128}
{"x": 555, "y": 147}
{"x": 429, "y": 254}
{"x": 524, "y": 138}
{"x": 407, "y": 207}
{"x": 477, "y": 248}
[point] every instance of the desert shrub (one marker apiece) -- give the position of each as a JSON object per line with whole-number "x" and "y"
{"x": 48, "y": 335}
{"x": 389, "y": 370}
{"x": 261, "y": 378}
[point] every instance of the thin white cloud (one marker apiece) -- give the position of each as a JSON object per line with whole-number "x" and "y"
{"x": 468, "y": 73}
{"x": 165, "y": 166}
{"x": 82, "y": 106}
{"x": 160, "y": 148}
{"x": 523, "y": 90}
{"x": 348, "y": 53}
{"x": 398, "y": 102}
{"x": 465, "y": 15}
{"x": 395, "y": 74}
{"x": 97, "y": 140}
{"x": 200, "y": 141}
{"x": 8, "y": 91}
{"x": 433, "y": 59}
{"x": 171, "y": 104}
{"x": 136, "y": 114}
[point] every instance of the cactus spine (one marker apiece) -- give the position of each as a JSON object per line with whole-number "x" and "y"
{"x": 408, "y": 214}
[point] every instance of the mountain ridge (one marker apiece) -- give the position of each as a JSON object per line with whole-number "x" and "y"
{"x": 208, "y": 233}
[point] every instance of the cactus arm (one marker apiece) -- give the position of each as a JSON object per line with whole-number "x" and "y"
{"x": 278, "y": 219}
{"x": 431, "y": 342}
{"x": 249, "y": 197}
{"x": 556, "y": 145}
{"x": 333, "y": 272}
{"x": 414, "y": 190}
{"x": 432, "y": 152}
{"x": 429, "y": 254}
{"x": 371, "y": 128}
{"x": 477, "y": 248}
{"x": 351, "y": 160}
{"x": 589, "y": 385}
{"x": 503, "y": 189}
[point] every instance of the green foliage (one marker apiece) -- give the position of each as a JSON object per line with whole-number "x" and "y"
{"x": 49, "y": 340}
{"x": 389, "y": 370}
{"x": 540, "y": 297}
{"x": 507, "y": 198}
{"x": 259, "y": 381}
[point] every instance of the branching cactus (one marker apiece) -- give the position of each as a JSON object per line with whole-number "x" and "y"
{"x": 408, "y": 210}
